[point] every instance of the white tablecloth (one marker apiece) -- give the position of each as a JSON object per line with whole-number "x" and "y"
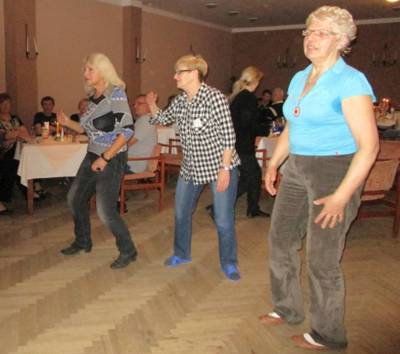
{"x": 50, "y": 159}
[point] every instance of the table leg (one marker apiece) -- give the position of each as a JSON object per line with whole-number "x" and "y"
{"x": 29, "y": 197}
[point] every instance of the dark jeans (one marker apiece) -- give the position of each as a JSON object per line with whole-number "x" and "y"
{"x": 8, "y": 175}
{"x": 105, "y": 185}
{"x": 305, "y": 179}
{"x": 186, "y": 198}
{"x": 250, "y": 181}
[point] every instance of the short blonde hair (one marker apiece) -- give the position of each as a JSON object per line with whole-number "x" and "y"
{"x": 107, "y": 70}
{"x": 249, "y": 75}
{"x": 194, "y": 62}
{"x": 341, "y": 19}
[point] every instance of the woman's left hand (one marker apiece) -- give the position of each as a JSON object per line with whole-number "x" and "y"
{"x": 99, "y": 165}
{"x": 332, "y": 212}
{"x": 24, "y": 134}
{"x": 12, "y": 134}
{"x": 223, "y": 180}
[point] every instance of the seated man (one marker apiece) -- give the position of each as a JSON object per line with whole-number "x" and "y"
{"x": 274, "y": 111}
{"x": 82, "y": 108}
{"x": 265, "y": 99}
{"x": 145, "y": 137}
{"x": 47, "y": 115}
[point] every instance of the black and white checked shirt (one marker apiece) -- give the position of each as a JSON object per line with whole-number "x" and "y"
{"x": 206, "y": 130}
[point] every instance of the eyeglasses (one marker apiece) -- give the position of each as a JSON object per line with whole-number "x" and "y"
{"x": 319, "y": 33}
{"x": 140, "y": 102}
{"x": 179, "y": 72}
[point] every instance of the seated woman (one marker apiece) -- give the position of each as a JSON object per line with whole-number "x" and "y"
{"x": 11, "y": 130}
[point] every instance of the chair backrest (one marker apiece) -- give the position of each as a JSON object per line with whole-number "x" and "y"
{"x": 172, "y": 150}
{"x": 380, "y": 179}
{"x": 261, "y": 155}
{"x": 152, "y": 165}
{"x": 389, "y": 149}
{"x": 175, "y": 147}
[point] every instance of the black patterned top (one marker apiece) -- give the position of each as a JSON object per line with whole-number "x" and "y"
{"x": 107, "y": 117}
{"x": 14, "y": 123}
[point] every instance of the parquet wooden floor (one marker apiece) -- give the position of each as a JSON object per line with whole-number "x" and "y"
{"x": 51, "y": 304}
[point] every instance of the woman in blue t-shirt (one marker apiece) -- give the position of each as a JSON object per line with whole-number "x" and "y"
{"x": 331, "y": 143}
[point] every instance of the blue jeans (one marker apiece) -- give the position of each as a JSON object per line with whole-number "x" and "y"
{"x": 186, "y": 198}
{"x": 105, "y": 185}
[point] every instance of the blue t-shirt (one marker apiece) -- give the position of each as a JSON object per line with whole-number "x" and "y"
{"x": 320, "y": 128}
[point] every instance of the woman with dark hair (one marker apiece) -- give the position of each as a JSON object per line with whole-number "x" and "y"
{"x": 109, "y": 125}
{"x": 11, "y": 130}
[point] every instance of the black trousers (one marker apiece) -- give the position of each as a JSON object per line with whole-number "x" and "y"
{"x": 8, "y": 175}
{"x": 105, "y": 185}
{"x": 250, "y": 181}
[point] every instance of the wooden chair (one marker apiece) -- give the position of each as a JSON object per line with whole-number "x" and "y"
{"x": 389, "y": 149}
{"x": 379, "y": 182}
{"x": 261, "y": 155}
{"x": 152, "y": 178}
{"x": 172, "y": 157}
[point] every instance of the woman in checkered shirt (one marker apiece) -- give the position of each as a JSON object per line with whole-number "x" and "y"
{"x": 209, "y": 157}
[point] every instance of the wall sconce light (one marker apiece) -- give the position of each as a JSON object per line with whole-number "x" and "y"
{"x": 139, "y": 57}
{"x": 29, "y": 55}
{"x": 387, "y": 58}
{"x": 287, "y": 60}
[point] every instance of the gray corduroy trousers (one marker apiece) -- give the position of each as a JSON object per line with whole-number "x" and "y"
{"x": 305, "y": 179}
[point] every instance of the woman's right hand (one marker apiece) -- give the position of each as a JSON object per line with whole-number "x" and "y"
{"x": 63, "y": 119}
{"x": 151, "y": 98}
{"x": 270, "y": 179}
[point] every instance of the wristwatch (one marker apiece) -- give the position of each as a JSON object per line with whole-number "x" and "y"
{"x": 104, "y": 158}
{"x": 225, "y": 168}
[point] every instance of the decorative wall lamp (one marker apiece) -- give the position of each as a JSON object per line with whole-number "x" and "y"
{"x": 387, "y": 58}
{"x": 140, "y": 57}
{"x": 286, "y": 61}
{"x": 28, "y": 53}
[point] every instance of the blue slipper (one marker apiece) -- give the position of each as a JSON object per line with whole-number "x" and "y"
{"x": 231, "y": 271}
{"x": 175, "y": 261}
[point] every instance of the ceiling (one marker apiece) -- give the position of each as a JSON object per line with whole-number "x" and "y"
{"x": 266, "y": 13}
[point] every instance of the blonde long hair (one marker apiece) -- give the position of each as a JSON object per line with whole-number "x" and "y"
{"x": 107, "y": 70}
{"x": 249, "y": 75}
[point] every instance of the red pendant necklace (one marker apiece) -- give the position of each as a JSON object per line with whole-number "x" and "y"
{"x": 296, "y": 110}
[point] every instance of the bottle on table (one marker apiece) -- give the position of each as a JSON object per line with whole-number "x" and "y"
{"x": 45, "y": 130}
